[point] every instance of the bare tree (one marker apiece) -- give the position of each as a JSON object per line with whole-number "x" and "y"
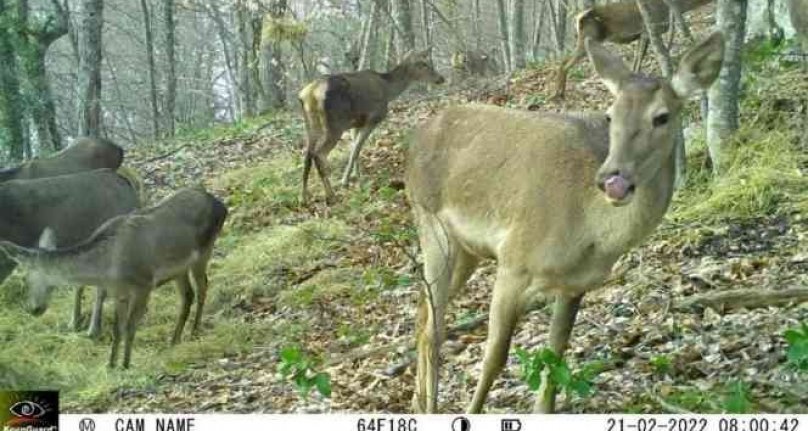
{"x": 517, "y": 34}
{"x": 403, "y": 15}
{"x": 502, "y": 13}
{"x": 171, "y": 65}
{"x": 147, "y": 32}
{"x": 722, "y": 120}
{"x": 10, "y": 99}
{"x": 89, "y": 75}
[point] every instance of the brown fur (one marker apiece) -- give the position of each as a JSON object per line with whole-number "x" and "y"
{"x": 619, "y": 23}
{"x": 523, "y": 188}
{"x": 85, "y": 154}
{"x": 358, "y": 101}
{"x": 130, "y": 255}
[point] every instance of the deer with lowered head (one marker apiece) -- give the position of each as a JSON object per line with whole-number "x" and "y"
{"x": 357, "y": 101}
{"x": 72, "y": 207}
{"x": 619, "y": 23}
{"x": 556, "y": 199}
{"x": 129, "y": 256}
{"x": 85, "y": 154}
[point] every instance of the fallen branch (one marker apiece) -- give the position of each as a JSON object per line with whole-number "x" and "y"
{"x": 743, "y": 298}
{"x": 666, "y": 406}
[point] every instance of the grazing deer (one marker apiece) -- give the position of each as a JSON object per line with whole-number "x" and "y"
{"x": 129, "y": 256}
{"x": 556, "y": 199}
{"x": 357, "y": 101}
{"x": 85, "y": 154}
{"x": 73, "y": 207}
{"x": 619, "y": 23}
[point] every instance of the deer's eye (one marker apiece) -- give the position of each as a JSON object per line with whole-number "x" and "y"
{"x": 661, "y": 120}
{"x": 608, "y": 118}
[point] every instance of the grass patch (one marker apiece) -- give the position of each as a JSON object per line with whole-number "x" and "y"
{"x": 761, "y": 177}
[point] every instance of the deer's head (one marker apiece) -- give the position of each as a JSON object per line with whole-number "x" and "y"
{"x": 645, "y": 114}
{"x": 420, "y": 68}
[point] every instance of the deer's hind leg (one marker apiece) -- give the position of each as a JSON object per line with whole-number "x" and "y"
{"x": 312, "y": 137}
{"x": 199, "y": 271}
{"x": 320, "y": 156}
{"x": 186, "y": 299}
{"x": 121, "y": 309}
{"x": 353, "y": 161}
{"x": 447, "y": 267}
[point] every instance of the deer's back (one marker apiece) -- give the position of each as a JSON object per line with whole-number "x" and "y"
{"x": 349, "y": 99}
{"x": 72, "y": 205}
{"x": 85, "y": 154}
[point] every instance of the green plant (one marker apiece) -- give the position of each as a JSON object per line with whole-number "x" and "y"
{"x": 300, "y": 368}
{"x": 797, "y": 339}
{"x": 534, "y": 363}
{"x": 736, "y": 399}
{"x": 661, "y": 364}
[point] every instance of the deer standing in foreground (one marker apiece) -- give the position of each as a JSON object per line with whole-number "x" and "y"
{"x": 130, "y": 255}
{"x": 73, "y": 207}
{"x": 357, "y": 101}
{"x": 619, "y": 23}
{"x": 556, "y": 199}
{"x": 85, "y": 154}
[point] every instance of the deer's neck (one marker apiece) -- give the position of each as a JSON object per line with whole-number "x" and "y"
{"x": 76, "y": 265}
{"x": 398, "y": 80}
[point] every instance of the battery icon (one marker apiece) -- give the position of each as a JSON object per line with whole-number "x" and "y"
{"x": 511, "y": 425}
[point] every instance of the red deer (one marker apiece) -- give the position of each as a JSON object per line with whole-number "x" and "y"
{"x": 619, "y": 23}
{"x": 85, "y": 154}
{"x": 357, "y": 101}
{"x": 556, "y": 199}
{"x": 130, "y": 255}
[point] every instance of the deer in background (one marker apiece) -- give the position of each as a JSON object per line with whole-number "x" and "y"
{"x": 556, "y": 199}
{"x": 619, "y": 23}
{"x": 73, "y": 207}
{"x": 85, "y": 154}
{"x": 798, "y": 12}
{"x": 130, "y": 255}
{"x": 357, "y": 101}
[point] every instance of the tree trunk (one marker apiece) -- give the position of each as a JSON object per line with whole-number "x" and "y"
{"x": 365, "y": 59}
{"x": 171, "y": 63}
{"x": 403, "y": 15}
{"x": 426, "y": 23}
{"x": 722, "y": 120}
{"x": 89, "y": 75}
{"x": 152, "y": 73}
{"x": 478, "y": 35}
{"x": 10, "y": 98}
{"x": 272, "y": 67}
{"x": 561, "y": 25}
{"x": 244, "y": 61}
{"x": 502, "y": 13}
{"x": 539, "y": 25}
{"x": 517, "y": 34}
{"x": 227, "y": 52}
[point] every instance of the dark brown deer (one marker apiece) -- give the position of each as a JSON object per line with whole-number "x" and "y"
{"x": 556, "y": 199}
{"x": 73, "y": 207}
{"x": 85, "y": 154}
{"x": 130, "y": 255}
{"x": 357, "y": 101}
{"x": 619, "y": 23}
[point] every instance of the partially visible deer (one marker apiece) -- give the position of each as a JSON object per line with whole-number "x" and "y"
{"x": 85, "y": 154}
{"x": 619, "y": 23}
{"x": 556, "y": 199}
{"x": 73, "y": 207}
{"x": 357, "y": 101}
{"x": 471, "y": 63}
{"x": 130, "y": 255}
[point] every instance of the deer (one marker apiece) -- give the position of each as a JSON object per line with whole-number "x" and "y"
{"x": 85, "y": 154}
{"x": 357, "y": 101}
{"x": 129, "y": 256}
{"x": 619, "y": 23}
{"x": 73, "y": 207}
{"x": 554, "y": 198}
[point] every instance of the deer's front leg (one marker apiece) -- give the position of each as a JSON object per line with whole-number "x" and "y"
{"x": 353, "y": 163}
{"x": 566, "y": 310}
{"x": 507, "y": 306}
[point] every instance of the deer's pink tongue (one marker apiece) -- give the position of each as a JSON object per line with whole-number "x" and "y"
{"x": 616, "y": 187}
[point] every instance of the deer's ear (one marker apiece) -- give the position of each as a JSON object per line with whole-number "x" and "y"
{"x": 47, "y": 241}
{"x": 609, "y": 67}
{"x": 699, "y": 67}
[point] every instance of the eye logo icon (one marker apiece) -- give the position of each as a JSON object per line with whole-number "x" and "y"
{"x": 27, "y": 410}
{"x": 87, "y": 424}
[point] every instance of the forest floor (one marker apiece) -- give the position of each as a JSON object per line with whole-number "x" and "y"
{"x": 339, "y": 283}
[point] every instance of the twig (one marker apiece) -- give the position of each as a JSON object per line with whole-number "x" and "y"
{"x": 165, "y": 155}
{"x": 743, "y": 298}
{"x": 668, "y": 407}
